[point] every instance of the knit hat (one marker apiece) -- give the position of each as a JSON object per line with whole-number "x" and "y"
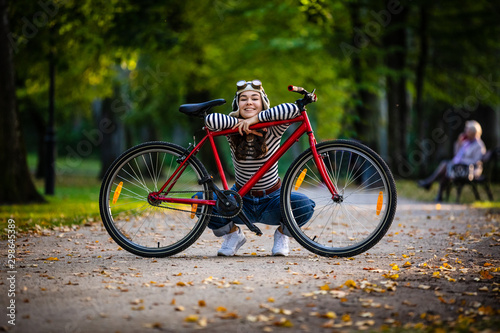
{"x": 242, "y": 86}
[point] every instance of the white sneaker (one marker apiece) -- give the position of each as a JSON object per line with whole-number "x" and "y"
{"x": 281, "y": 244}
{"x": 232, "y": 242}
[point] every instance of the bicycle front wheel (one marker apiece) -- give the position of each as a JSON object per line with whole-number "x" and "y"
{"x": 354, "y": 220}
{"x": 147, "y": 228}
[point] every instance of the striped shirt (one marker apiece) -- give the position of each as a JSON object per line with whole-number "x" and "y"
{"x": 245, "y": 169}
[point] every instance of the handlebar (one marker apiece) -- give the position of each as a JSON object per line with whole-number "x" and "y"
{"x": 308, "y": 97}
{"x": 296, "y": 89}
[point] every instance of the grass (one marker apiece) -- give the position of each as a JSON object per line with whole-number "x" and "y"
{"x": 409, "y": 189}
{"x": 76, "y": 200}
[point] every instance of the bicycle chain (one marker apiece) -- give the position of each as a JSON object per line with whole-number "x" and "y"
{"x": 239, "y": 198}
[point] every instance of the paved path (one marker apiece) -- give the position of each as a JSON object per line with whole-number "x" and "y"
{"x": 448, "y": 267}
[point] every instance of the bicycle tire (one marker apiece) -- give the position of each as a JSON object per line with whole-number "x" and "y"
{"x": 358, "y": 221}
{"x": 144, "y": 228}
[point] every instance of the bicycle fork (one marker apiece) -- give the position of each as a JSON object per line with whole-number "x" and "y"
{"x": 320, "y": 163}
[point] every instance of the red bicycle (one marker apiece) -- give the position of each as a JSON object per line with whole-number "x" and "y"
{"x": 149, "y": 200}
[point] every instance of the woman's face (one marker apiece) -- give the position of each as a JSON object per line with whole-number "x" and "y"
{"x": 470, "y": 132}
{"x": 250, "y": 104}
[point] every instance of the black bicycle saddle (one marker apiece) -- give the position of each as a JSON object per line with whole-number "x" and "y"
{"x": 200, "y": 109}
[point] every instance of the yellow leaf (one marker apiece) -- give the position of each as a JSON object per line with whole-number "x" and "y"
{"x": 138, "y": 308}
{"x": 283, "y": 323}
{"x": 221, "y": 309}
{"x": 350, "y": 284}
{"x": 346, "y": 317}
{"x": 52, "y": 259}
{"x": 407, "y": 264}
{"x": 395, "y": 268}
{"x": 172, "y": 302}
{"x": 270, "y": 300}
{"x": 391, "y": 276}
{"x": 325, "y": 287}
{"x": 191, "y": 318}
{"x": 330, "y": 315}
{"x": 181, "y": 284}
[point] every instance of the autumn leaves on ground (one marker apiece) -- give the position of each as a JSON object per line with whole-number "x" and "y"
{"x": 436, "y": 270}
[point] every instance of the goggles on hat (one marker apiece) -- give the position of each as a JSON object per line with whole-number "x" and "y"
{"x": 256, "y": 84}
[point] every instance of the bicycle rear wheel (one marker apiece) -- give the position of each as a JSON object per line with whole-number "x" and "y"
{"x": 356, "y": 220}
{"x": 152, "y": 229}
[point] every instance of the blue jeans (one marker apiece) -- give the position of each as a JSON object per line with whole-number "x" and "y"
{"x": 265, "y": 210}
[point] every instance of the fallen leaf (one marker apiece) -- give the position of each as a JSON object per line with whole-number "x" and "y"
{"x": 330, "y": 315}
{"x": 153, "y": 325}
{"x": 229, "y": 315}
{"x": 350, "y": 284}
{"x": 283, "y": 322}
{"x": 391, "y": 276}
{"x": 202, "y": 322}
{"x": 485, "y": 275}
{"x": 191, "y": 318}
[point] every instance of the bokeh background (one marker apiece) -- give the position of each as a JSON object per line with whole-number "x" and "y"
{"x": 399, "y": 76}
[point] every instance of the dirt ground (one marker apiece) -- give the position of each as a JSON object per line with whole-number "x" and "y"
{"x": 438, "y": 266}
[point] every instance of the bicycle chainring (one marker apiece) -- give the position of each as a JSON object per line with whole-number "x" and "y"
{"x": 231, "y": 205}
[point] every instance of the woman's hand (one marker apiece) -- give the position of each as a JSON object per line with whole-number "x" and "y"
{"x": 243, "y": 125}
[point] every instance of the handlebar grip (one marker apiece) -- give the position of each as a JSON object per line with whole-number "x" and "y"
{"x": 296, "y": 89}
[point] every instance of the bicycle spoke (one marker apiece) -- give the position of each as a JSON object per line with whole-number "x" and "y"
{"x": 153, "y": 228}
{"x": 348, "y": 223}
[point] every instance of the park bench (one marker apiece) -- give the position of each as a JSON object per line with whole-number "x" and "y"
{"x": 466, "y": 176}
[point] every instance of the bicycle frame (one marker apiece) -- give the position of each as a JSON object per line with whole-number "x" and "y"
{"x": 305, "y": 127}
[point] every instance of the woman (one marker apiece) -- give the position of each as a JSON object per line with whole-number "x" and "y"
{"x": 250, "y": 149}
{"x": 469, "y": 149}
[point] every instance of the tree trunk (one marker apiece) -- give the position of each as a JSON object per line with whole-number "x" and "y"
{"x": 365, "y": 116}
{"x": 395, "y": 43}
{"x": 113, "y": 140}
{"x": 420, "y": 116}
{"x": 16, "y": 185}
